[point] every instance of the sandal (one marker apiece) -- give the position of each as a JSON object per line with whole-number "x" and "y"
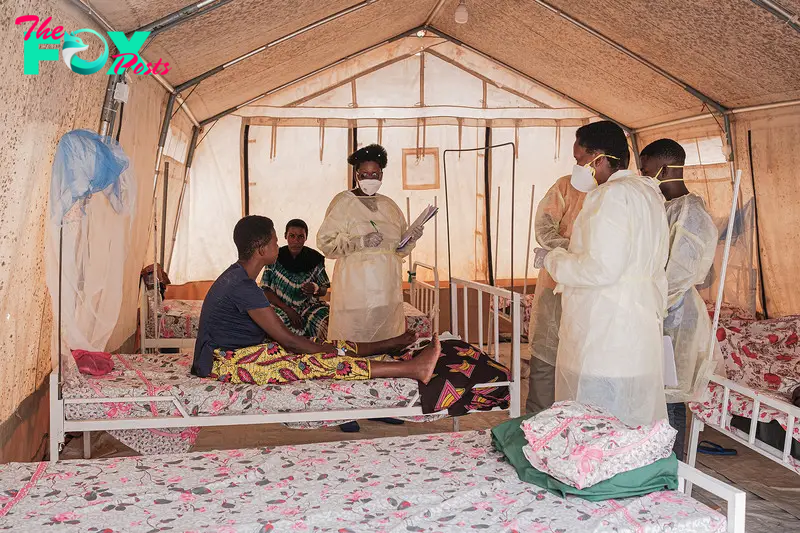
{"x": 709, "y": 448}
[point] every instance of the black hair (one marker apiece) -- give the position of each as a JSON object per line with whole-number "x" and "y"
{"x": 251, "y": 233}
{"x": 608, "y": 138}
{"x": 297, "y": 223}
{"x": 373, "y": 152}
{"x": 666, "y": 149}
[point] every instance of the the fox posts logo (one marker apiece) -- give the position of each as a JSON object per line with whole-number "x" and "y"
{"x": 127, "y": 58}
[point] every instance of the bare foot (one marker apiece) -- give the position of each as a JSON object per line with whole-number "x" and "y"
{"x": 425, "y": 362}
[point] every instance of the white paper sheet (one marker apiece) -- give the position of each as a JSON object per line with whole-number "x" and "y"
{"x": 427, "y": 214}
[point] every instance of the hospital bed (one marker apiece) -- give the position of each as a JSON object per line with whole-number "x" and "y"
{"x": 160, "y": 406}
{"x": 503, "y": 312}
{"x": 449, "y": 482}
{"x": 178, "y": 320}
{"x": 762, "y": 368}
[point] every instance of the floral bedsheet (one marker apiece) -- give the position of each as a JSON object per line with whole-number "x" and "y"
{"x": 526, "y": 305}
{"x": 177, "y": 319}
{"x": 450, "y": 482}
{"x": 762, "y": 355}
{"x": 417, "y": 321}
{"x": 167, "y": 376}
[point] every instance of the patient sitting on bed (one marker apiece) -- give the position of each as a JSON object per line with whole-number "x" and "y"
{"x": 242, "y": 340}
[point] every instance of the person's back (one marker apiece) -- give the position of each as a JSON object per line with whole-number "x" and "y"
{"x": 614, "y": 299}
{"x": 639, "y": 289}
{"x": 224, "y": 319}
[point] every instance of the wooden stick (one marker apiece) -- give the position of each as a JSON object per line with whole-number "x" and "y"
{"x": 497, "y": 237}
{"x": 436, "y": 235}
{"x": 408, "y": 215}
{"x": 528, "y": 251}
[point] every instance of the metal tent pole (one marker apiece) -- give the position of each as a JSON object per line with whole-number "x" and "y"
{"x": 304, "y": 77}
{"x": 790, "y": 19}
{"x": 525, "y": 76}
{"x": 617, "y": 46}
{"x": 197, "y": 79}
{"x": 180, "y": 16}
{"x": 635, "y": 150}
{"x": 162, "y": 139}
{"x": 704, "y": 116}
{"x": 165, "y": 193}
{"x": 84, "y": 5}
{"x": 186, "y": 171}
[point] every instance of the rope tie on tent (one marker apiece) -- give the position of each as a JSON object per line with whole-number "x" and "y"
{"x": 424, "y": 136}
{"x": 354, "y": 94}
{"x": 422, "y": 79}
{"x": 557, "y": 154}
{"x": 516, "y": 138}
{"x": 273, "y": 147}
{"x": 321, "y": 138}
{"x": 380, "y": 131}
{"x": 460, "y": 132}
{"x": 417, "y": 147}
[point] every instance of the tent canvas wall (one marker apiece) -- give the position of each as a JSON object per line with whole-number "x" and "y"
{"x": 642, "y": 67}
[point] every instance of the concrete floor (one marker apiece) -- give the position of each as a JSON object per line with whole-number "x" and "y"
{"x": 773, "y": 492}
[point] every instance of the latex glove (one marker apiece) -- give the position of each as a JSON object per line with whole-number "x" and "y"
{"x": 538, "y": 257}
{"x": 372, "y": 240}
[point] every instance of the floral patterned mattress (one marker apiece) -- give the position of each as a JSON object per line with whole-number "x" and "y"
{"x": 167, "y": 375}
{"x": 177, "y": 319}
{"x": 762, "y": 355}
{"x": 451, "y": 482}
{"x": 526, "y": 305}
{"x": 417, "y": 321}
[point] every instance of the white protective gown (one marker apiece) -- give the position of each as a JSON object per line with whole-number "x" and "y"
{"x": 555, "y": 222}
{"x": 692, "y": 245}
{"x": 366, "y": 289}
{"x": 614, "y": 289}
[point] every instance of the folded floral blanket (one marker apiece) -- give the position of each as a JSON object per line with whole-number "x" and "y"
{"x": 581, "y": 445}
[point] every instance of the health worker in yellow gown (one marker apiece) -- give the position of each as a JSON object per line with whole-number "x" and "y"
{"x": 362, "y": 231}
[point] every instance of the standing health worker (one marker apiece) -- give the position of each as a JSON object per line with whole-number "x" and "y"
{"x": 362, "y": 230}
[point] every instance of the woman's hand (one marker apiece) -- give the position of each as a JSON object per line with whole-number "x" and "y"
{"x": 373, "y": 240}
{"x": 416, "y": 234}
{"x": 310, "y": 288}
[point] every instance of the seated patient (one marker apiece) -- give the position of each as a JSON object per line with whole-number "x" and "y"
{"x": 242, "y": 340}
{"x": 295, "y": 283}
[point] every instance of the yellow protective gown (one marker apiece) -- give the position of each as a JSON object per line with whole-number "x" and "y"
{"x": 614, "y": 288}
{"x": 692, "y": 245}
{"x": 366, "y": 289}
{"x": 555, "y": 218}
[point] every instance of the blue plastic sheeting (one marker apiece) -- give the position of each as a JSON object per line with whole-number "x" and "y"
{"x": 87, "y": 163}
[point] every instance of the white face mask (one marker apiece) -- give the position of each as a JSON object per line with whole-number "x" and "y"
{"x": 583, "y": 176}
{"x": 370, "y": 187}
